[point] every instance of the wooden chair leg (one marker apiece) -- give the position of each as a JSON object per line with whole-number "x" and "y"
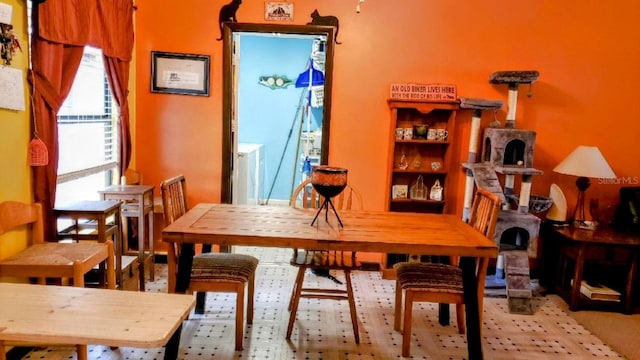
{"x": 397, "y": 310}
{"x": 460, "y": 318}
{"x": 3, "y": 351}
{"x": 295, "y": 300}
{"x": 239, "y": 316}
{"x": 82, "y": 352}
{"x": 295, "y": 287}
{"x": 352, "y": 306}
{"x": 406, "y": 330}
{"x": 250, "y": 300}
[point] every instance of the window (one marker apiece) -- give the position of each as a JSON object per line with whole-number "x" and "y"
{"x": 87, "y": 133}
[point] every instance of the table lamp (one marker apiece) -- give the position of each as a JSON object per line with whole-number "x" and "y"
{"x": 584, "y": 162}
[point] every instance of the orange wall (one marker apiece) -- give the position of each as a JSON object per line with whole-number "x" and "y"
{"x": 587, "y": 53}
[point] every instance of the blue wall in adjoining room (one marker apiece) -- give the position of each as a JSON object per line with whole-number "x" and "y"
{"x": 270, "y": 116}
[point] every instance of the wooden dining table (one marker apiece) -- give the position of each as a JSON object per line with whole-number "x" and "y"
{"x": 363, "y": 231}
{"x": 51, "y": 315}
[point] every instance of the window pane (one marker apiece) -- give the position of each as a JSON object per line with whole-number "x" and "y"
{"x": 83, "y": 144}
{"x": 86, "y": 133}
{"x": 84, "y": 188}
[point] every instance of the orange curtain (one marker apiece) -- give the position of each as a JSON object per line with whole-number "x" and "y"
{"x": 118, "y": 75}
{"x": 61, "y": 30}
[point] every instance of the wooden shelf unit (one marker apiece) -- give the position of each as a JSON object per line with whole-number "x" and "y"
{"x": 419, "y": 155}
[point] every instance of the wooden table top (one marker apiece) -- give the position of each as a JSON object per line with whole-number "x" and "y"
{"x": 127, "y": 189}
{"x": 88, "y": 207}
{"x": 49, "y": 314}
{"x": 603, "y": 234}
{"x": 364, "y": 231}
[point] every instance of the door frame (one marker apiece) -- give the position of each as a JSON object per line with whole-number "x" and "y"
{"x": 228, "y": 91}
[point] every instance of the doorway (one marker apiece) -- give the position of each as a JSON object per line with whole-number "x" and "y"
{"x": 275, "y": 125}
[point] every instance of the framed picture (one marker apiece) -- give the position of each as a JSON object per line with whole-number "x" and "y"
{"x": 175, "y": 73}
{"x": 399, "y": 191}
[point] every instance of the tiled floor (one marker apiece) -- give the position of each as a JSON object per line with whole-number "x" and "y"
{"x": 323, "y": 329}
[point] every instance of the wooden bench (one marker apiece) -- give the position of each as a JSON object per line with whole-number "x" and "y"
{"x": 47, "y": 314}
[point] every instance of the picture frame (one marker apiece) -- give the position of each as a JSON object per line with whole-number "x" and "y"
{"x": 399, "y": 192}
{"x": 178, "y": 73}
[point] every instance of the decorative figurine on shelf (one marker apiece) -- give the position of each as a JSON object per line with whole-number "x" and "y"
{"x": 328, "y": 181}
{"x": 327, "y": 20}
{"x": 417, "y": 162}
{"x": 403, "y": 164}
{"x": 418, "y": 189}
{"x": 228, "y": 14}
{"x": 8, "y": 43}
{"x": 436, "y": 191}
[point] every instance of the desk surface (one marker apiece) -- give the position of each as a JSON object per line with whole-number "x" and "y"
{"x": 364, "y": 231}
{"x": 49, "y": 314}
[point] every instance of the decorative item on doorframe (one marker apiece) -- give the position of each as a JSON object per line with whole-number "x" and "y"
{"x": 326, "y": 20}
{"x": 278, "y": 11}
{"x": 228, "y": 14}
{"x": 175, "y": 73}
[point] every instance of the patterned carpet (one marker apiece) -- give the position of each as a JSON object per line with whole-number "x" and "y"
{"x": 323, "y": 329}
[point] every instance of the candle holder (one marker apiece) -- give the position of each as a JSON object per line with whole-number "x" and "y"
{"x": 328, "y": 181}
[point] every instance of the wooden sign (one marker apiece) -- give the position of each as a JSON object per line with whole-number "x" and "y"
{"x": 426, "y": 92}
{"x": 278, "y": 11}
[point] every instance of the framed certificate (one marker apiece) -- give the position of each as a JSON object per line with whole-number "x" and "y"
{"x": 174, "y": 73}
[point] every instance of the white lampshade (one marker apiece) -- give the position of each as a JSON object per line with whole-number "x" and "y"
{"x": 586, "y": 161}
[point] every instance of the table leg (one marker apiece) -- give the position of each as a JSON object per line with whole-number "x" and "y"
{"x": 152, "y": 262}
{"x": 469, "y": 281}
{"x": 82, "y": 352}
{"x": 173, "y": 345}
{"x": 444, "y": 317}
{"x": 443, "y": 314}
{"x": 628, "y": 303}
{"x": 141, "y": 240}
{"x": 201, "y": 299}
{"x": 574, "y": 298}
{"x": 185, "y": 262}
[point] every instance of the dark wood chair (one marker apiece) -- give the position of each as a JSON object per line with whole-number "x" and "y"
{"x": 442, "y": 283}
{"x": 211, "y": 272}
{"x": 305, "y": 196}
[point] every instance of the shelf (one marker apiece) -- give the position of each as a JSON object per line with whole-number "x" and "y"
{"x": 422, "y": 153}
{"x": 420, "y": 171}
{"x": 417, "y": 201}
{"x": 420, "y": 141}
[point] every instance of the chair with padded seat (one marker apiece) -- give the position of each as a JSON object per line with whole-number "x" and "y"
{"x": 211, "y": 272}
{"x": 305, "y": 196}
{"x": 442, "y": 283}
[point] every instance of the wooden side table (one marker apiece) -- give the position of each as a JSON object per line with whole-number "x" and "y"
{"x": 137, "y": 202}
{"x": 599, "y": 250}
{"x": 95, "y": 221}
